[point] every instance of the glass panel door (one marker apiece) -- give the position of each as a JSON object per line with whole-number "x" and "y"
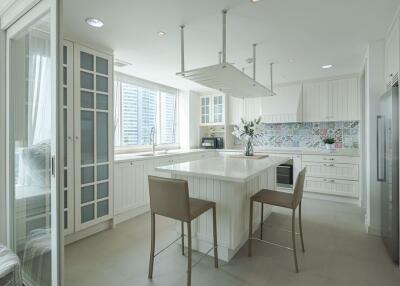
{"x": 31, "y": 96}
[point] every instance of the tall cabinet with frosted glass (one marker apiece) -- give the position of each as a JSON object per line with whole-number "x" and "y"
{"x": 88, "y": 136}
{"x": 93, "y": 73}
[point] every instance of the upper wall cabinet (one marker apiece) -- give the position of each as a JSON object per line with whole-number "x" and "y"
{"x": 392, "y": 50}
{"x": 212, "y": 109}
{"x": 315, "y": 102}
{"x": 331, "y": 100}
{"x": 344, "y": 99}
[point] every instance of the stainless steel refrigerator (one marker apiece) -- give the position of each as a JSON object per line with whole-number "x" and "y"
{"x": 388, "y": 169}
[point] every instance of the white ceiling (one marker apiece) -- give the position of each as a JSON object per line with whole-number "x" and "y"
{"x": 309, "y": 32}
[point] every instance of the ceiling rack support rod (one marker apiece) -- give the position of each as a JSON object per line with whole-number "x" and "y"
{"x": 224, "y": 35}
{"x": 182, "y": 48}
{"x": 254, "y": 61}
{"x": 271, "y": 67}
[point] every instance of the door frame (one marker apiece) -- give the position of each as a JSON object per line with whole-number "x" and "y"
{"x": 17, "y": 16}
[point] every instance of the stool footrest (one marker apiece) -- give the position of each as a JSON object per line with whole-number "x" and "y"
{"x": 272, "y": 243}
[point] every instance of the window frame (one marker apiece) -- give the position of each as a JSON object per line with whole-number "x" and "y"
{"x": 123, "y": 78}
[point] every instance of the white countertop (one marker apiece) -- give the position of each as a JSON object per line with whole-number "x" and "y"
{"x": 302, "y": 151}
{"x": 224, "y": 167}
{"x": 157, "y": 154}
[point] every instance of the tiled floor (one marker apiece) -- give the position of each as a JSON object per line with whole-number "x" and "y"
{"x": 338, "y": 252}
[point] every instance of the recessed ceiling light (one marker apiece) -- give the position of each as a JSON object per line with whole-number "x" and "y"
{"x": 327, "y": 66}
{"x": 94, "y": 22}
{"x": 161, "y": 33}
{"x": 254, "y": 1}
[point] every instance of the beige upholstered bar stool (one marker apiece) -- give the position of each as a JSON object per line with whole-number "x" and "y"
{"x": 280, "y": 199}
{"x": 170, "y": 198}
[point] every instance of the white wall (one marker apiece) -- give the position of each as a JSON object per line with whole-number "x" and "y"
{"x": 374, "y": 88}
{"x": 189, "y": 119}
{"x": 3, "y": 213}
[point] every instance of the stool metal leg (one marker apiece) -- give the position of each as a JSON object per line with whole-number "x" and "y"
{"x": 262, "y": 221}
{"x": 215, "y": 237}
{"x": 189, "y": 266}
{"x": 301, "y": 229}
{"x": 153, "y": 238}
{"x": 294, "y": 239}
{"x": 250, "y": 227}
{"x": 183, "y": 238}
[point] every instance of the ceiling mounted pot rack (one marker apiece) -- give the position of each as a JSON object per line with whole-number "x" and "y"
{"x": 224, "y": 76}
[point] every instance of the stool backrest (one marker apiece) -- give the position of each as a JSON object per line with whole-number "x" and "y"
{"x": 169, "y": 197}
{"x": 298, "y": 188}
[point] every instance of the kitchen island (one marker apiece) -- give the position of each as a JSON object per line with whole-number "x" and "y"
{"x": 229, "y": 182}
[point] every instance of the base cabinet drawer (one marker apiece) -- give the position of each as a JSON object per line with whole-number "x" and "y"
{"x": 332, "y": 170}
{"x": 331, "y": 159}
{"x": 332, "y": 187}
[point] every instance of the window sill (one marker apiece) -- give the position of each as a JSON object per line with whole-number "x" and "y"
{"x": 145, "y": 148}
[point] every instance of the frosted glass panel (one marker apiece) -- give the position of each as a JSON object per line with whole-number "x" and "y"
{"x": 101, "y": 83}
{"x": 87, "y": 213}
{"x": 102, "y": 190}
{"x": 87, "y": 194}
{"x": 64, "y": 55}
{"x": 102, "y": 208}
{"x": 65, "y": 178}
{"x": 65, "y": 136}
{"x": 87, "y": 80}
{"x": 102, "y": 172}
{"x": 87, "y": 175}
{"x": 65, "y": 99}
{"x": 65, "y": 199}
{"x": 87, "y": 137}
{"x": 64, "y": 75}
{"x": 101, "y": 65}
{"x": 102, "y": 101}
{"x": 102, "y": 137}
{"x": 87, "y": 61}
{"x": 65, "y": 220}
{"x": 87, "y": 99}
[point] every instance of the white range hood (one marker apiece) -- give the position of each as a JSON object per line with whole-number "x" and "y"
{"x": 284, "y": 107}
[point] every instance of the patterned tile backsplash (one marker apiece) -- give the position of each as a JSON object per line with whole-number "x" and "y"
{"x": 309, "y": 135}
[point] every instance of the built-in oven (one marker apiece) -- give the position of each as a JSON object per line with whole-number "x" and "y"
{"x": 284, "y": 174}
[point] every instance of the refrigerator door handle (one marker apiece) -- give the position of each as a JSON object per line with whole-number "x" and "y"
{"x": 380, "y": 148}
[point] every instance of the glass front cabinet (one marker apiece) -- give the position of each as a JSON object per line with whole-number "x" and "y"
{"x": 212, "y": 109}
{"x": 88, "y": 136}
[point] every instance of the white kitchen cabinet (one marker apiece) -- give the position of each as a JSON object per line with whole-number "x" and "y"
{"x": 392, "y": 50}
{"x": 315, "y": 102}
{"x": 332, "y": 175}
{"x": 68, "y": 136}
{"x": 212, "y": 109}
{"x": 331, "y": 100}
{"x": 93, "y": 129}
{"x": 131, "y": 188}
{"x": 236, "y": 110}
{"x": 344, "y": 99}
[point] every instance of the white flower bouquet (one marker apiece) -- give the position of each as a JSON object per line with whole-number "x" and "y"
{"x": 247, "y": 131}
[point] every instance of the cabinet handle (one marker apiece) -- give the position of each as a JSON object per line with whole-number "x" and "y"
{"x": 329, "y": 159}
{"x": 329, "y": 181}
{"x": 329, "y": 165}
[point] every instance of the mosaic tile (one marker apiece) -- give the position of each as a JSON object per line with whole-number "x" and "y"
{"x": 309, "y": 134}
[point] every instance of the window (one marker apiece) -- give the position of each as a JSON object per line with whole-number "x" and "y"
{"x": 141, "y": 106}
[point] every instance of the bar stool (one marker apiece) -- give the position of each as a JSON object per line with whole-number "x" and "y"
{"x": 280, "y": 199}
{"x": 10, "y": 267}
{"x": 170, "y": 198}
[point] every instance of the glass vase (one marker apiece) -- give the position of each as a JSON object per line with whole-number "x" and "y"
{"x": 249, "y": 151}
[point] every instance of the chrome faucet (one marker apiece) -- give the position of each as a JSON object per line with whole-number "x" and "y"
{"x": 153, "y": 142}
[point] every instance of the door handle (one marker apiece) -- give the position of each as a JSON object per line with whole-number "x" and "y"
{"x": 380, "y": 174}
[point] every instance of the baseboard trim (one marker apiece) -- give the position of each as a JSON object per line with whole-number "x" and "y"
{"x": 337, "y": 199}
{"x": 118, "y": 218}
{"x": 73, "y": 237}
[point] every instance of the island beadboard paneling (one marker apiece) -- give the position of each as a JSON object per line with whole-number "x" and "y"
{"x": 232, "y": 201}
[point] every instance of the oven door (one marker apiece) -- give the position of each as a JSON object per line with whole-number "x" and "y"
{"x": 284, "y": 176}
